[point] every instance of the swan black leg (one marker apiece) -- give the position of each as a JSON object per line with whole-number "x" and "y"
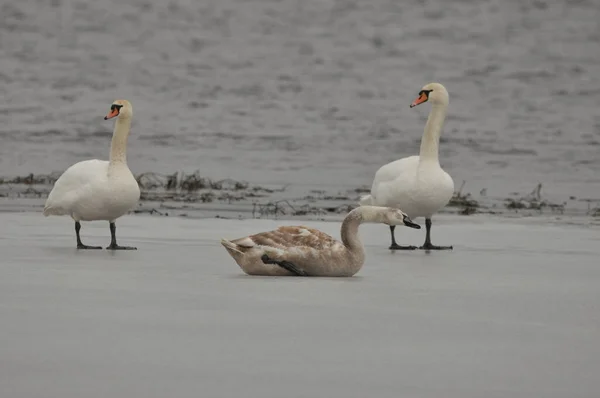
{"x": 113, "y": 240}
{"x": 427, "y": 245}
{"x": 79, "y": 244}
{"x": 396, "y": 246}
{"x": 285, "y": 265}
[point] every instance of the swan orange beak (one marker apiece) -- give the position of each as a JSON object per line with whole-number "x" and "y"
{"x": 113, "y": 113}
{"x": 422, "y": 98}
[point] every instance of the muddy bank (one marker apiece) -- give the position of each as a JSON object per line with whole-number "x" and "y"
{"x": 191, "y": 194}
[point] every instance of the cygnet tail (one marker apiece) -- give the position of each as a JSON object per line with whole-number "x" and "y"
{"x": 231, "y": 247}
{"x": 366, "y": 200}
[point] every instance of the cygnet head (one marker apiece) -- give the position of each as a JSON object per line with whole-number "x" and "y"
{"x": 434, "y": 93}
{"x": 120, "y": 108}
{"x": 398, "y": 217}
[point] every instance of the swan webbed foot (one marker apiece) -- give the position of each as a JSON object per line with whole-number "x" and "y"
{"x": 117, "y": 247}
{"x": 113, "y": 240}
{"x": 80, "y": 245}
{"x": 285, "y": 265}
{"x": 86, "y": 247}
{"x": 396, "y": 246}
{"x": 429, "y": 246}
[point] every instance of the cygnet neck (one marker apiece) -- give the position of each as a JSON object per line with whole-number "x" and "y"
{"x": 349, "y": 230}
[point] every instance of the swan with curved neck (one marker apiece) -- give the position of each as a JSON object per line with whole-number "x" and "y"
{"x": 417, "y": 184}
{"x": 305, "y": 251}
{"x": 97, "y": 189}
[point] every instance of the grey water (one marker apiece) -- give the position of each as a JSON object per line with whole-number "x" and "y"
{"x": 310, "y": 93}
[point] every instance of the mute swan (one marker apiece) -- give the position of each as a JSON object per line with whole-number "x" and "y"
{"x": 417, "y": 184}
{"x": 96, "y": 189}
{"x": 305, "y": 251}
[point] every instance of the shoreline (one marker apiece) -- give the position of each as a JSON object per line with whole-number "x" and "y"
{"x": 187, "y": 194}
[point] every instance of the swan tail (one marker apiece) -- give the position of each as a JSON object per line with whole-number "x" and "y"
{"x": 366, "y": 200}
{"x": 49, "y": 210}
{"x": 231, "y": 247}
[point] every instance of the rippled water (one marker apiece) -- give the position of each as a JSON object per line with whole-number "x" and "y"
{"x": 307, "y": 92}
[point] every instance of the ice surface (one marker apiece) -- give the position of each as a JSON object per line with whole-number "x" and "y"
{"x": 513, "y": 311}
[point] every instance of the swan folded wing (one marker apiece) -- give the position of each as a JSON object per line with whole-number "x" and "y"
{"x": 83, "y": 198}
{"x": 81, "y": 174}
{"x": 392, "y": 180}
{"x": 74, "y": 185}
{"x": 293, "y": 237}
{"x": 403, "y": 169}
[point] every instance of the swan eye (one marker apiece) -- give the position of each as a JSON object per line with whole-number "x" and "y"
{"x": 425, "y": 92}
{"x": 116, "y": 106}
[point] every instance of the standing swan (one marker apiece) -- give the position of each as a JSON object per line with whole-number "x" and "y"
{"x": 96, "y": 189}
{"x": 305, "y": 251}
{"x": 417, "y": 184}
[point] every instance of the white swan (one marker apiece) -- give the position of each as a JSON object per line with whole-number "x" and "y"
{"x": 97, "y": 189}
{"x": 417, "y": 184}
{"x": 305, "y": 251}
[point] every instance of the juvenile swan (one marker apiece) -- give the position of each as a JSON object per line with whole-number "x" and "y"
{"x": 97, "y": 189}
{"x": 417, "y": 184}
{"x": 305, "y": 251}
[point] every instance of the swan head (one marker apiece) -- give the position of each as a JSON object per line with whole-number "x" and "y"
{"x": 434, "y": 93}
{"x": 120, "y": 108}
{"x": 398, "y": 217}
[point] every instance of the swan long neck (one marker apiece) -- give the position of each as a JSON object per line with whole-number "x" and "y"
{"x": 431, "y": 136}
{"x": 349, "y": 231}
{"x": 118, "y": 146}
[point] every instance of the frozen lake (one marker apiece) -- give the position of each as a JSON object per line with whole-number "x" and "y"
{"x": 513, "y": 311}
{"x": 313, "y": 97}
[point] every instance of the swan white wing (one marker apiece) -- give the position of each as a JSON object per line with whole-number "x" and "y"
{"x": 419, "y": 192}
{"x": 392, "y": 179}
{"x": 76, "y": 184}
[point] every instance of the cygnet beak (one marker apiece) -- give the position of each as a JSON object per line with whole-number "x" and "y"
{"x": 408, "y": 222}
